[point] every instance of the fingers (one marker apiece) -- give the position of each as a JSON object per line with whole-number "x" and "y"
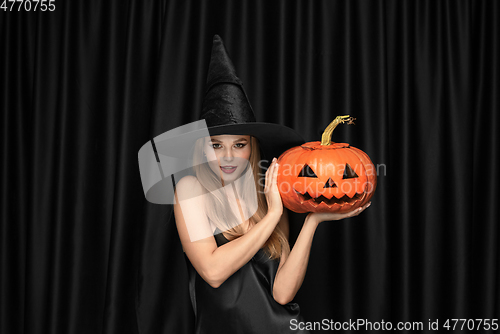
{"x": 271, "y": 170}
{"x": 321, "y": 217}
{"x": 275, "y": 173}
{"x": 366, "y": 206}
{"x": 271, "y": 174}
{"x": 272, "y": 167}
{"x": 361, "y": 209}
{"x": 271, "y": 188}
{"x": 353, "y": 213}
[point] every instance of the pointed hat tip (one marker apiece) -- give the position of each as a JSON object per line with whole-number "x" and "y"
{"x": 221, "y": 69}
{"x": 224, "y": 91}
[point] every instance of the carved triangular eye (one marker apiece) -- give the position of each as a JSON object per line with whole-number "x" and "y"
{"x": 307, "y": 172}
{"x": 330, "y": 184}
{"x": 349, "y": 173}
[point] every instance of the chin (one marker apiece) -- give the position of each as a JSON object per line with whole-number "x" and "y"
{"x": 230, "y": 177}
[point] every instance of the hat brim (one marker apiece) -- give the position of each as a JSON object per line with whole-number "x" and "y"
{"x": 274, "y": 139}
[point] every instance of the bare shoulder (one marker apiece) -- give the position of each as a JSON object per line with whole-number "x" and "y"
{"x": 193, "y": 226}
{"x": 188, "y": 187}
{"x": 188, "y": 181}
{"x": 189, "y": 208}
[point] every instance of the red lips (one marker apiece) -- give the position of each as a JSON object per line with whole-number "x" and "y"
{"x": 228, "y": 169}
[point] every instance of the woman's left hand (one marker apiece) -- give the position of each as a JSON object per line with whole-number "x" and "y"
{"x": 327, "y": 216}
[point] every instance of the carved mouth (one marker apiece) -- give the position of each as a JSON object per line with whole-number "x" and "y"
{"x": 334, "y": 200}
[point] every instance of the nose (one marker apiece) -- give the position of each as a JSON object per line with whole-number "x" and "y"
{"x": 228, "y": 154}
{"x": 330, "y": 184}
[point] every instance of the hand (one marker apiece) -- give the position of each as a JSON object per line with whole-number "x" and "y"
{"x": 319, "y": 217}
{"x": 273, "y": 197}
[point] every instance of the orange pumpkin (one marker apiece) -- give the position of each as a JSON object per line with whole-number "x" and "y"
{"x": 326, "y": 176}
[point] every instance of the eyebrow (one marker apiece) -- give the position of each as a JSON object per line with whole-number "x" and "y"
{"x": 237, "y": 140}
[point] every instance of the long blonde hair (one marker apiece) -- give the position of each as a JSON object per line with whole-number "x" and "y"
{"x": 217, "y": 201}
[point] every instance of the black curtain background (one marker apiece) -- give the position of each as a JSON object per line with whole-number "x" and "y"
{"x": 84, "y": 87}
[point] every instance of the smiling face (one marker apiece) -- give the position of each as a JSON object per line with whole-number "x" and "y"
{"x": 335, "y": 178}
{"x": 339, "y": 188}
{"x": 228, "y": 155}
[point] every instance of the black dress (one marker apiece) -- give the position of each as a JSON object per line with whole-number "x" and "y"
{"x": 244, "y": 303}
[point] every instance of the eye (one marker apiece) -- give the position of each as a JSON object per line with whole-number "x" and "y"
{"x": 307, "y": 172}
{"x": 216, "y": 146}
{"x": 240, "y": 145}
{"x": 349, "y": 173}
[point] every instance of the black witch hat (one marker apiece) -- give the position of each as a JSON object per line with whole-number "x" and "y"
{"x": 226, "y": 110}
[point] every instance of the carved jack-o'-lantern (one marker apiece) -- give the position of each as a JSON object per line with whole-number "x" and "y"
{"x": 326, "y": 176}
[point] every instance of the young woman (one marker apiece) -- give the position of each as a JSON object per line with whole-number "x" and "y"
{"x": 229, "y": 214}
{"x": 244, "y": 279}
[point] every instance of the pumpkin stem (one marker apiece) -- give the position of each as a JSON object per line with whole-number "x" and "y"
{"x": 326, "y": 138}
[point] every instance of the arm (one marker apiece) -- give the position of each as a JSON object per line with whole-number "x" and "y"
{"x": 216, "y": 264}
{"x": 292, "y": 269}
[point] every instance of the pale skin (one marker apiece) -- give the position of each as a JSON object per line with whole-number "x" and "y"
{"x": 216, "y": 264}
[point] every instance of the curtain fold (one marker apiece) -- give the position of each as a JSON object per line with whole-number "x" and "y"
{"x": 84, "y": 87}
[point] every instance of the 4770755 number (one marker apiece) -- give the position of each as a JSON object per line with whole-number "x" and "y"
{"x": 471, "y": 324}
{"x": 28, "y": 5}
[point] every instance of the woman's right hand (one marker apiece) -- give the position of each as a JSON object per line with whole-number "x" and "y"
{"x": 273, "y": 197}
